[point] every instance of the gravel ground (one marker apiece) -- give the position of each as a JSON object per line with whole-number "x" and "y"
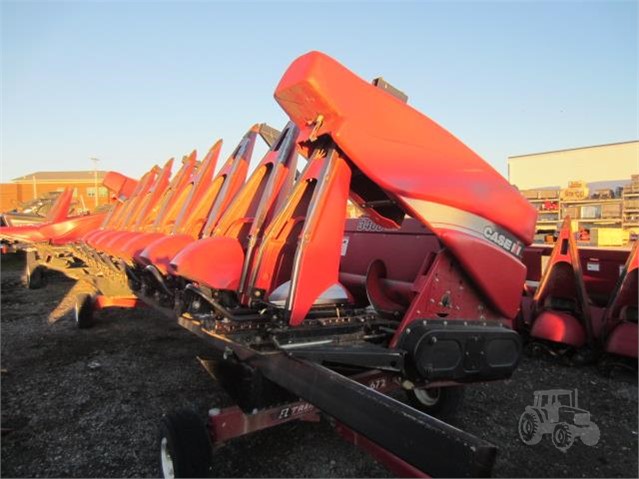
{"x": 87, "y": 403}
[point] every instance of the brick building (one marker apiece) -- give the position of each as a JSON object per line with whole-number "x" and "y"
{"x": 88, "y": 190}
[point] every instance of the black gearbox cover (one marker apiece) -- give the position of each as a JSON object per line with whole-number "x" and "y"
{"x": 458, "y": 350}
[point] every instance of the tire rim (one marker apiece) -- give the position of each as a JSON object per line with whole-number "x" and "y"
{"x": 428, "y": 397}
{"x": 167, "y": 461}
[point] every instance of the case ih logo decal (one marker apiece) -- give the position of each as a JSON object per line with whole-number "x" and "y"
{"x": 503, "y": 241}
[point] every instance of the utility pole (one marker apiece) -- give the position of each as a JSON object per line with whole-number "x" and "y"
{"x": 95, "y": 179}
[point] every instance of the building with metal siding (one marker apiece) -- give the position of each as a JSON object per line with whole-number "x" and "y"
{"x": 610, "y": 162}
{"x": 596, "y": 186}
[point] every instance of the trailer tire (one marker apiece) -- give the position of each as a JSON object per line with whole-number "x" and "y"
{"x": 441, "y": 402}
{"x": 184, "y": 445}
{"x": 35, "y": 278}
{"x": 84, "y": 305}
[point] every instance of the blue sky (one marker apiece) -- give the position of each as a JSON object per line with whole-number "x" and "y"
{"x": 136, "y": 83}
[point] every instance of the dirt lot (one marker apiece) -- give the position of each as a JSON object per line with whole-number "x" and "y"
{"x": 86, "y": 403}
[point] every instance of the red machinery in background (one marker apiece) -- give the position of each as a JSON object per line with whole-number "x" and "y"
{"x": 59, "y": 226}
{"x": 619, "y": 331}
{"x": 45, "y": 244}
{"x": 561, "y": 311}
{"x": 30, "y": 233}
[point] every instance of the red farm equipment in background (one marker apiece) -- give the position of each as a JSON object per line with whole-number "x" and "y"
{"x": 619, "y": 325}
{"x": 563, "y": 315}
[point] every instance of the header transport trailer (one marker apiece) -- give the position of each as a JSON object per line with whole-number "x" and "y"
{"x": 307, "y": 312}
